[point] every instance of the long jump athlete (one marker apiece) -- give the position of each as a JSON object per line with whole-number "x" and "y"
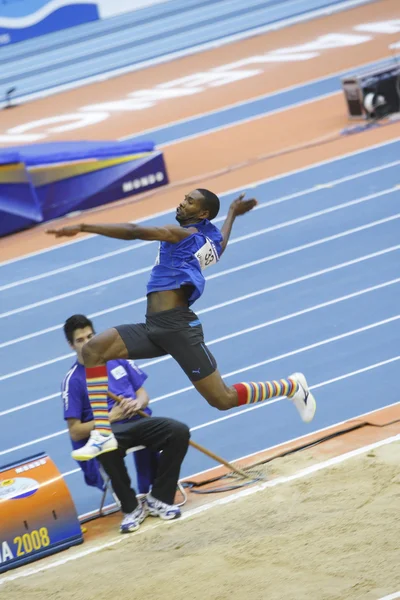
{"x": 171, "y": 327}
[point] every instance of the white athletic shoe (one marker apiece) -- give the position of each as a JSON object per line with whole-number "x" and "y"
{"x": 96, "y": 444}
{"x": 161, "y": 509}
{"x": 303, "y": 399}
{"x": 131, "y": 521}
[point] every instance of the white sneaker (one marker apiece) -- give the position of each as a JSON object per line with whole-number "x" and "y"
{"x": 161, "y": 509}
{"x": 131, "y": 521}
{"x": 303, "y": 399}
{"x": 97, "y": 443}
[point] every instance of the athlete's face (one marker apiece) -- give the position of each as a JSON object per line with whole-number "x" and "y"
{"x": 81, "y": 336}
{"x": 191, "y": 209}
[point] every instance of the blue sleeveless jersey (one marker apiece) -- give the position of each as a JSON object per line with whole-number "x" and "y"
{"x": 183, "y": 264}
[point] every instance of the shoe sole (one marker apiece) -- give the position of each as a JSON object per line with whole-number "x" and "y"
{"x": 130, "y": 530}
{"x": 87, "y": 457}
{"x": 156, "y": 514}
{"x": 307, "y": 411}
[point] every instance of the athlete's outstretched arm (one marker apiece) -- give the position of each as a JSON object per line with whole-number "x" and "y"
{"x": 237, "y": 208}
{"x": 127, "y": 231}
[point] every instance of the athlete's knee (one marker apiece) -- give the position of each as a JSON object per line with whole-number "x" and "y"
{"x": 218, "y": 404}
{"x": 222, "y": 401}
{"x": 93, "y": 353}
{"x": 216, "y": 392}
{"x": 104, "y": 346}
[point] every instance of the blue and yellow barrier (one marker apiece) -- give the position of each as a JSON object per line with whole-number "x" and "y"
{"x": 45, "y": 181}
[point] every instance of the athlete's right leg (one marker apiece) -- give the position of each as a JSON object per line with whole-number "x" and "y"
{"x": 182, "y": 337}
{"x": 121, "y": 342}
{"x": 224, "y": 397}
{"x": 201, "y": 368}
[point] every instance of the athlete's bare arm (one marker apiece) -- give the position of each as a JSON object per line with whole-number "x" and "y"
{"x": 168, "y": 233}
{"x": 237, "y": 208}
{"x": 128, "y": 231}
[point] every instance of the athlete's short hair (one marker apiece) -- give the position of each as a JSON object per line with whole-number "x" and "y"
{"x": 73, "y": 323}
{"x": 210, "y": 202}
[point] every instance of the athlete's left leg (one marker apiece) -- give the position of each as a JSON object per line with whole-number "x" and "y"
{"x": 121, "y": 342}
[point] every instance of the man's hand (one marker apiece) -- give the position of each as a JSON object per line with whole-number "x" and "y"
{"x": 240, "y": 207}
{"x": 130, "y": 407}
{"x": 125, "y": 409}
{"x": 237, "y": 208}
{"x": 68, "y": 231}
{"x": 117, "y": 413}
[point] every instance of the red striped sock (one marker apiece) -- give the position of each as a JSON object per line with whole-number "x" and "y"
{"x": 97, "y": 385}
{"x": 250, "y": 393}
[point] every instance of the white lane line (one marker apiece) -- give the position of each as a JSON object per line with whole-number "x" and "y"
{"x": 142, "y": 270}
{"x": 262, "y": 363}
{"x": 234, "y": 241}
{"x": 247, "y": 368}
{"x": 219, "y": 274}
{"x": 28, "y": 404}
{"x": 312, "y": 189}
{"x": 247, "y": 296}
{"x": 240, "y": 332}
{"x": 226, "y": 272}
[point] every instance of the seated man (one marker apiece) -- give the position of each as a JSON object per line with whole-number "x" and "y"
{"x": 160, "y": 471}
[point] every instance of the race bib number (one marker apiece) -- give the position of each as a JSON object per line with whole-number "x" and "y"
{"x": 207, "y": 255}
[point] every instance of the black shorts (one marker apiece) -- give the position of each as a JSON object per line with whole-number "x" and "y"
{"x": 177, "y": 332}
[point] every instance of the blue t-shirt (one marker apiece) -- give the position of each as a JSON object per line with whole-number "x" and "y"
{"x": 182, "y": 264}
